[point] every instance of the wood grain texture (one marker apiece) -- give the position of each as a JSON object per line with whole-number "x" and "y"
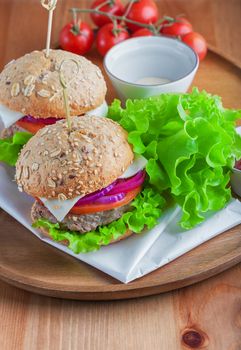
{"x": 211, "y": 308}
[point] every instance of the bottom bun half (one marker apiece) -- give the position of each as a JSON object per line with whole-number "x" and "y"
{"x": 45, "y": 232}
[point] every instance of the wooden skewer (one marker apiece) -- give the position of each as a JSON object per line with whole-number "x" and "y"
{"x": 50, "y": 5}
{"x": 64, "y": 85}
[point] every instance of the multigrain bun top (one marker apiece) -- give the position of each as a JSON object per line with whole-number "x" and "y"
{"x": 62, "y": 163}
{"x": 31, "y": 84}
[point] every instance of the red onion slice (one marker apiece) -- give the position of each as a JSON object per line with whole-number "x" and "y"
{"x": 115, "y": 191}
{"x": 92, "y": 197}
{"x": 110, "y": 198}
{"x": 129, "y": 184}
{"x": 46, "y": 121}
{"x": 238, "y": 164}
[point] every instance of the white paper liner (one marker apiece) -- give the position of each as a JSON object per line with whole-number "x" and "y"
{"x": 139, "y": 254}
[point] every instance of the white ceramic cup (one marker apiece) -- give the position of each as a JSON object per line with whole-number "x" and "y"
{"x": 156, "y": 57}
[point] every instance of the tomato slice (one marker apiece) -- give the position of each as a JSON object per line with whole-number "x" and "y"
{"x": 31, "y": 127}
{"x": 94, "y": 208}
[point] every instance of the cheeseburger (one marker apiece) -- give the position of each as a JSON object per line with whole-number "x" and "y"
{"x": 77, "y": 176}
{"x": 31, "y": 94}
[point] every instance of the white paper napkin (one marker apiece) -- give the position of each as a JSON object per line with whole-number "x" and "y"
{"x": 139, "y": 254}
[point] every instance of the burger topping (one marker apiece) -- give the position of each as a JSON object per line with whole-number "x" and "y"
{"x": 117, "y": 194}
{"x": 15, "y": 89}
{"x": 28, "y": 90}
{"x": 10, "y": 117}
{"x": 59, "y": 208}
{"x": 105, "y": 203}
{"x": 138, "y": 164}
{"x": 82, "y": 223}
{"x": 43, "y": 93}
{"x": 30, "y": 79}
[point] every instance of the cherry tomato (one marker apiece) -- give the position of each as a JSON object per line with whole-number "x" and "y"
{"x": 76, "y": 39}
{"x": 142, "y": 32}
{"x": 31, "y": 127}
{"x": 108, "y": 36}
{"x": 197, "y": 42}
{"x": 114, "y": 8}
{"x": 94, "y": 208}
{"x": 180, "y": 26}
{"x": 143, "y": 11}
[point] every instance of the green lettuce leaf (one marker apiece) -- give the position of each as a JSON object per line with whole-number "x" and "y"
{"x": 146, "y": 209}
{"x": 191, "y": 145}
{"x": 11, "y": 146}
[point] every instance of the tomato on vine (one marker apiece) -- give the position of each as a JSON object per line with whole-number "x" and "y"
{"x": 197, "y": 42}
{"x": 77, "y": 38}
{"x": 113, "y": 7}
{"x": 176, "y": 26}
{"x": 143, "y": 11}
{"x": 142, "y": 32}
{"x": 109, "y": 35}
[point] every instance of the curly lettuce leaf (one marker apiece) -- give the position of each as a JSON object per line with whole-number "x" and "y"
{"x": 191, "y": 145}
{"x": 11, "y": 146}
{"x": 146, "y": 209}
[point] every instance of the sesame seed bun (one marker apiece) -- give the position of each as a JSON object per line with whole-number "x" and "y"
{"x": 31, "y": 84}
{"x": 62, "y": 163}
{"x": 45, "y": 233}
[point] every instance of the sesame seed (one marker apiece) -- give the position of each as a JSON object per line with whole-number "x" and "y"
{"x": 62, "y": 197}
{"x": 55, "y": 153}
{"x": 26, "y": 154}
{"x": 51, "y": 183}
{"x": 35, "y": 166}
{"x": 44, "y": 131}
{"x": 26, "y": 172}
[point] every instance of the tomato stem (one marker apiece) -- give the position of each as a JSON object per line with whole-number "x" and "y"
{"x": 113, "y": 17}
{"x": 128, "y": 10}
{"x": 104, "y": 3}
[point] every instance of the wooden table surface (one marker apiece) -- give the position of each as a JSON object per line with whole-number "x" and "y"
{"x": 204, "y": 316}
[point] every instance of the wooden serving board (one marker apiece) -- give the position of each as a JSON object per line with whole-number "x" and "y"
{"x": 31, "y": 264}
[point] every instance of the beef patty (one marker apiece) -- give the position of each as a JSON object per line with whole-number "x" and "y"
{"x": 82, "y": 223}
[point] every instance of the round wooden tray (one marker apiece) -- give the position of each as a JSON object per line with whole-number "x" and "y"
{"x": 28, "y": 263}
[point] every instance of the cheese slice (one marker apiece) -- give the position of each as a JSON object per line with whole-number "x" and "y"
{"x": 100, "y": 111}
{"x": 8, "y": 116}
{"x": 59, "y": 208}
{"x": 138, "y": 164}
